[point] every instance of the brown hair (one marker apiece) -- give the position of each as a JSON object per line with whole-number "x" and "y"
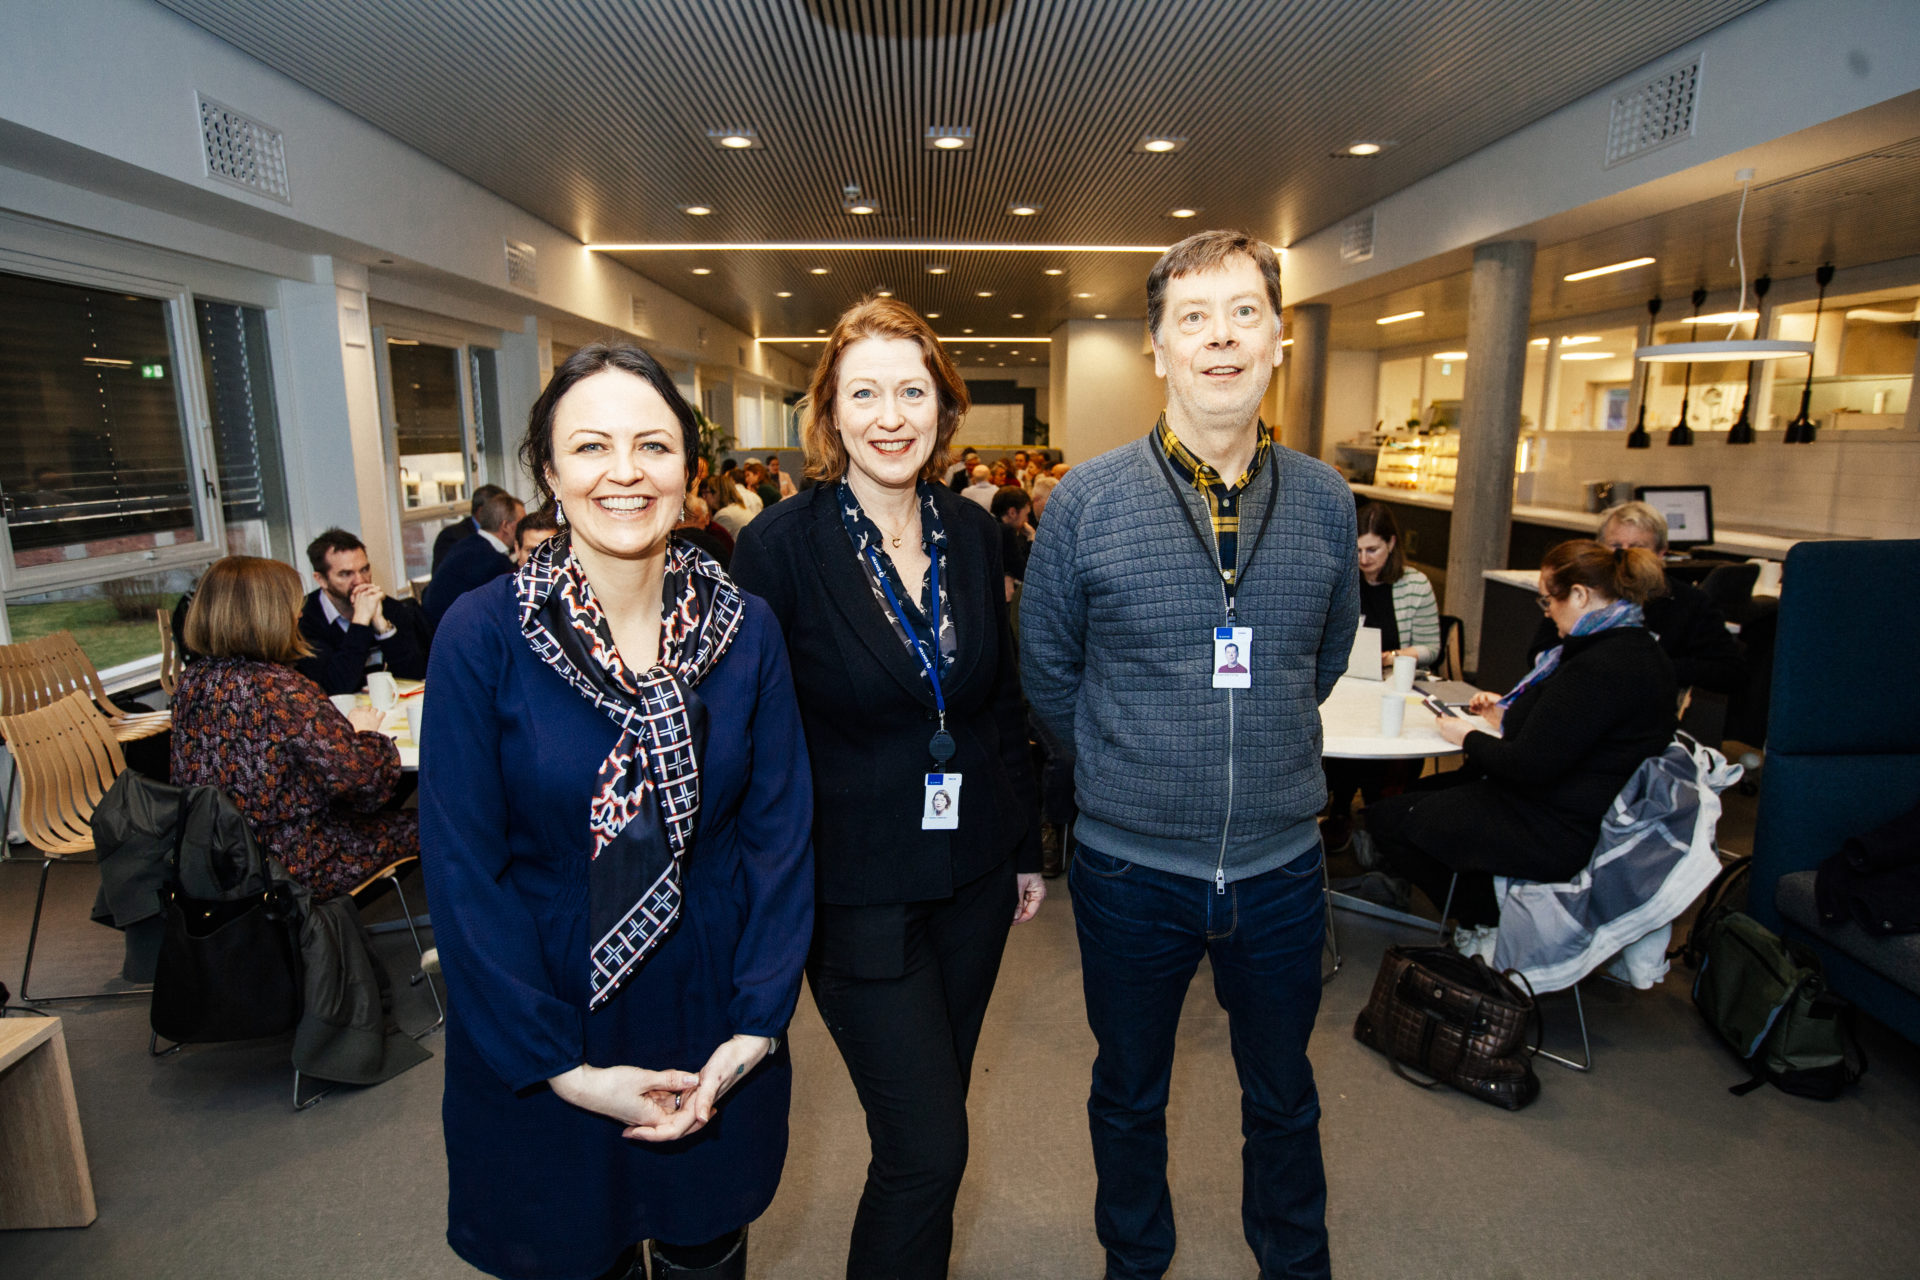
{"x": 1634, "y": 574}
{"x": 536, "y": 451}
{"x": 820, "y": 439}
{"x": 1208, "y": 251}
{"x": 1377, "y": 520}
{"x": 247, "y": 607}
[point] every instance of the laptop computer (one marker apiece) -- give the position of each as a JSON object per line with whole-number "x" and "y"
{"x": 1363, "y": 662}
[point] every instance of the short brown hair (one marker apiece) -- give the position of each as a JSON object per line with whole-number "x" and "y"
{"x": 247, "y": 607}
{"x": 878, "y": 318}
{"x": 1208, "y": 251}
{"x": 1376, "y": 519}
{"x": 1635, "y": 574}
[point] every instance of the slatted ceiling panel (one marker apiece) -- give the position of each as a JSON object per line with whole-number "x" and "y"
{"x": 593, "y": 116}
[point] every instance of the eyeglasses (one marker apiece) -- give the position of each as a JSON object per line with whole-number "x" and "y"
{"x": 1546, "y": 603}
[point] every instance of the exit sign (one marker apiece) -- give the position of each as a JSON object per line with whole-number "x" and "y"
{"x": 153, "y": 371}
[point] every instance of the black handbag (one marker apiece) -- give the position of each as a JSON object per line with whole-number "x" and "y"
{"x": 228, "y": 969}
{"x": 1454, "y": 1019}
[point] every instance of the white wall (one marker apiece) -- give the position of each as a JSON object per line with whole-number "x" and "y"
{"x": 1110, "y": 395}
{"x": 1350, "y": 397}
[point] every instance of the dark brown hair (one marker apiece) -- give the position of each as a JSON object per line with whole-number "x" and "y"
{"x": 1635, "y": 574}
{"x": 1376, "y": 519}
{"x": 247, "y": 607}
{"x": 1208, "y": 251}
{"x": 536, "y": 451}
{"x": 878, "y": 318}
{"x": 328, "y": 542}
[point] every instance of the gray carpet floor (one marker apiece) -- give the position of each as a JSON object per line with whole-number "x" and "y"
{"x": 1647, "y": 1167}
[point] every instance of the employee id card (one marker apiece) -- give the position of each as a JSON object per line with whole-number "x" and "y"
{"x": 941, "y": 810}
{"x": 1233, "y": 657}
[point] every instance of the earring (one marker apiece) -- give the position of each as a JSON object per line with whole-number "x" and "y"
{"x": 559, "y": 514}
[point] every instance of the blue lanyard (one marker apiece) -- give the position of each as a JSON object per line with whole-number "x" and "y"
{"x": 932, "y": 668}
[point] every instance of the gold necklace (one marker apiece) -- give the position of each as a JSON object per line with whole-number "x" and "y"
{"x": 893, "y": 537}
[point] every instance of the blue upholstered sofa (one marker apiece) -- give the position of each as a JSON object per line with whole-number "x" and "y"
{"x": 1843, "y": 753}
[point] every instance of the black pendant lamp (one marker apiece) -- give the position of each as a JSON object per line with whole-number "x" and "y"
{"x": 1801, "y": 430}
{"x": 1638, "y": 437}
{"x": 1741, "y": 432}
{"x": 1682, "y": 434}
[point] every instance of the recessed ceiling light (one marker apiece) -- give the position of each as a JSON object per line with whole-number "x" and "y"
{"x": 861, "y": 207}
{"x": 936, "y": 271}
{"x": 1083, "y": 295}
{"x": 940, "y": 137}
{"x": 784, "y": 293}
{"x": 1181, "y": 213}
{"x": 1018, "y": 315}
{"x": 1023, "y": 210}
{"x": 816, "y": 271}
{"x": 734, "y": 139}
{"x": 1587, "y": 355}
{"x": 1364, "y": 149}
{"x": 697, "y": 210}
{"x": 703, "y": 271}
{"x": 883, "y": 293}
{"x": 819, "y": 330}
{"x": 1001, "y": 364}
{"x": 1099, "y": 315}
{"x": 1404, "y": 315}
{"x": 1449, "y": 355}
{"x": 933, "y": 315}
{"x": 1286, "y": 342}
{"x": 1159, "y": 144}
{"x": 1053, "y": 271}
{"x": 984, "y": 293}
{"x": 966, "y": 331}
{"x": 1608, "y": 270}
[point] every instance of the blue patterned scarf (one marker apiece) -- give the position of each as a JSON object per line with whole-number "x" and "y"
{"x": 865, "y": 534}
{"x": 648, "y": 797}
{"x": 1621, "y": 613}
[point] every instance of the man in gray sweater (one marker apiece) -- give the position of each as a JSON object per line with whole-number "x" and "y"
{"x": 1197, "y": 785}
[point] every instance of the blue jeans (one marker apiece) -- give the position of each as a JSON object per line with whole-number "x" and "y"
{"x": 1142, "y": 933}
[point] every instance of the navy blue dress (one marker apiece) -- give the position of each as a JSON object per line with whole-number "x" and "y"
{"x": 539, "y": 1189}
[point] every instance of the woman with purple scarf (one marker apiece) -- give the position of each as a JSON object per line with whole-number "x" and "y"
{"x": 615, "y": 804}
{"x": 1529, "y": 801}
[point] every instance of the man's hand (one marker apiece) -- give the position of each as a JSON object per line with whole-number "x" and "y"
{"x": 367, "y": 612}
{"x": 652, "y": 1104}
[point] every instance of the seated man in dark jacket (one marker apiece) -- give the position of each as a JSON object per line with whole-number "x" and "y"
{"x": 1691, "y": 631}
{"x": 461, "y": 530}
{"x": 351, "y": 625}
{"x": 476, "y": 561}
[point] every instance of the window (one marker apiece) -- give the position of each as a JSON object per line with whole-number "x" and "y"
{"x": 246, "y": 431}
{"x": 95, "y": 456}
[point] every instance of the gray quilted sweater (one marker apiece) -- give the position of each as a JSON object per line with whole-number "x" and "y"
{"x": 1115, "y": 638}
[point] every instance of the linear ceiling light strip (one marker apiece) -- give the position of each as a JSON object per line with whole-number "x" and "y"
{"x": 865, "y": 246}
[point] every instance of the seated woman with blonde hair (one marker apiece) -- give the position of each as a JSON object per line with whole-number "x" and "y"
{"x": 310, "y": 780}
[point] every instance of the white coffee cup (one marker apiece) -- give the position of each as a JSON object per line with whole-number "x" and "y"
{"x": 1393, "y": 714}
{"x": 346, "y": 702}
{"x": 1403, "y": 665}
{"x": 382, "y": 690}
{"x": 415, "y": 707}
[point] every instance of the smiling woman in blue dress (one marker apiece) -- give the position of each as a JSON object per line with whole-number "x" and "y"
{"x": 615, "y": 808}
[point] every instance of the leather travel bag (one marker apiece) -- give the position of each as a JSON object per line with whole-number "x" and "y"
{"x": 1454, "y": 1019}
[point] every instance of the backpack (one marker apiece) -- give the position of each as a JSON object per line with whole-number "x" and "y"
{"x": 1768, "y": 999}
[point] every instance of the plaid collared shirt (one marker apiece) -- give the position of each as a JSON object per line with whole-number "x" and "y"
{"x": 1223, "y": 500}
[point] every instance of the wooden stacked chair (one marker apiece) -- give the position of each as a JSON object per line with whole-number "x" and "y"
{"x": 169, "y": 654}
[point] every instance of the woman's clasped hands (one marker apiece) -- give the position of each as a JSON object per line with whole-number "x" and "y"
{"x": 660, "y": 1106}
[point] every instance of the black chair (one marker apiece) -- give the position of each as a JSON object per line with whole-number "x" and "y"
{"x": 1453, "y": 643}
{"x": 1730, "y": 587}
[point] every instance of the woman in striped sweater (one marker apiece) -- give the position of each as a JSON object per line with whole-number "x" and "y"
{"x": 1397, "y": 599}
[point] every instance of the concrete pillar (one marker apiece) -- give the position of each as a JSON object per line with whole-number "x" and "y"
{"x": 1550, "y": 387}
{"x": 1497, "y": 305}
{"x": 1304, "y": 424}
{"x": 526, "y": 363}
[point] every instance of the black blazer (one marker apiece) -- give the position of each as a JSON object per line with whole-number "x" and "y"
{"x": 449, "y": 536}
{"x": 868, "y": 713}
{"x": 471, "y": 563}
{"x": 339, "y": 661}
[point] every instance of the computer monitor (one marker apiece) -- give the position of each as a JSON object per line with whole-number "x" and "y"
{"x": 1688, "y": 509}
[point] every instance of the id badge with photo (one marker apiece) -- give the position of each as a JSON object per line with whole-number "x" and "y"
{"x": 940, "y": 811}
{"x": 1233, "y": 657}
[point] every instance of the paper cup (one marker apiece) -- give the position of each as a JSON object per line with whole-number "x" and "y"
{"x": 382, "y": 690}
{"x": 414, "y": 711}
{"x": 1403, "y": 665}
{"x": 345, "y": 701}
{"x": 1393, "y": 714}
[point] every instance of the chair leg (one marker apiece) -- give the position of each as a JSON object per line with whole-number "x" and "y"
{"x": 314, "y": 1101}
{"x": 439, "y": 1009}
{"x": 33, "y": 940}
{"x": 6, "y": 812}
{"x": 1333, "y": 936}
{"x": 1446, "y": 908}
{"x": 155, "y": 1051}
{"x": 1586, "y": 1049}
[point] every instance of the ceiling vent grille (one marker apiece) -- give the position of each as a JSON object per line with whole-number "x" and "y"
{"x": 241, "y": 150}
{"x": 522, "y": 267}
{"x": 1656, "y": 114}
{"x": 637, "y": 315}
{"x": 1356, "y": 238}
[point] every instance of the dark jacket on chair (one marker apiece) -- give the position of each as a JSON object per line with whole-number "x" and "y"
{"x": 869, "y": 713}
{"x": 343, "y": 656}
{"x": 1692, "y": 633}
{"x": 449, "y": 537}
{"x": 473, "y": 562}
